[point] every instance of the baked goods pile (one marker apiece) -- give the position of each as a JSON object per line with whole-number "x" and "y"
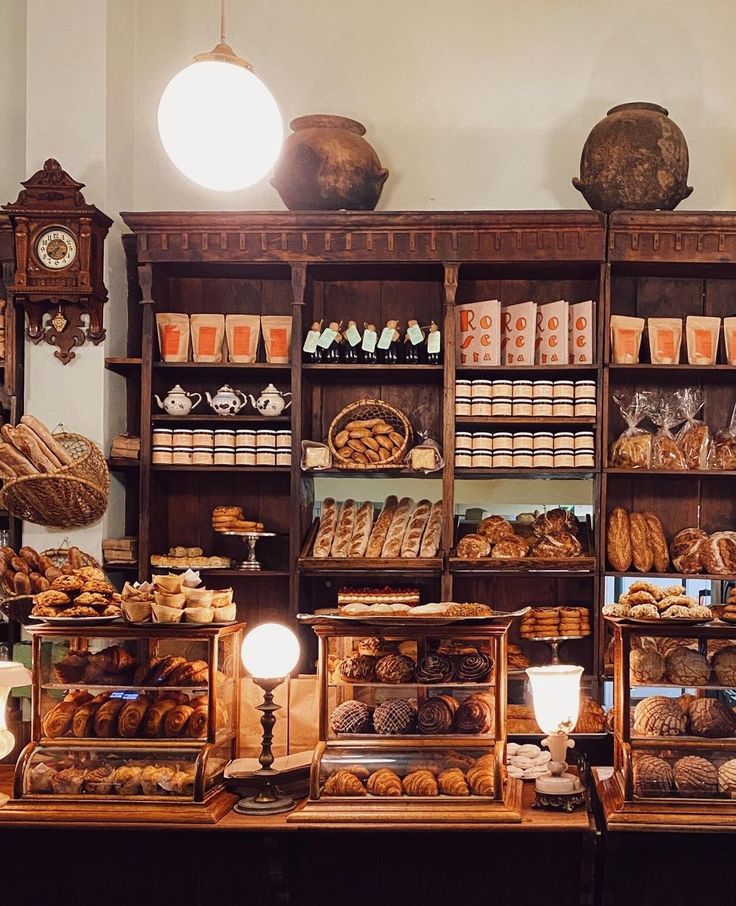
{"x": 403, "y": 529}
{"x": 433, "y": 609}
{"x": 436, "y": 715}
{"x": 368, "y": 594}
{"x": 690, "y": 776}
{"x": 114, "y": 666}
{"x": 28, "y": 572}
{"x": 650, "y": 601}
{"x": 365, "y": 441}
{"x": 30, "y": 449}
{"x": 527, "y": 762}
{"x": 450, "y": 774}
{"x": 555, "y": 622}
{"x": 552, "y": 536}
{"x": 685, "y": 716}
{"x": 684, "y": 666}
{"x": 81, "y": 592}
{"x": 179, "y": 598}
{"x": 189, "y": 558}
{"x": 231, "y": 519}
{"x": 83, "y": 774}
{"x": 729, "y": 610}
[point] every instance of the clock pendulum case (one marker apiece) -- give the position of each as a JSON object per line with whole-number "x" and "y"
{"x": 59, "y": 259}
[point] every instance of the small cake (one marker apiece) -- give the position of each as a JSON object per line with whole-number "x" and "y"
{"x": 351, "y": 717}
{"x": 395, "y": 668}
{"x": 710, "y": 717}
{"x": 659, "y": 716}
{"x": 473, "y": 668}
{"x": 435, "y": 668}
{"x": 436, "y": 715}
{"x": 394, "y": 717}
{"x": 695, "y": 776}
{"x": 646, "y": 665}
{"x": 359, "y": 669}
{"x": 652, "y": 776}
{"x": 687, "y": 667}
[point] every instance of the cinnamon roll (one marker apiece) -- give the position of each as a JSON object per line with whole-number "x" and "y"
{"x": 475, "y": 714}
{"x": 474, "y": 668}
{"x": 132, "y": 716}
{"x": 436, "y": 715}
{"x": 435, "y": 668}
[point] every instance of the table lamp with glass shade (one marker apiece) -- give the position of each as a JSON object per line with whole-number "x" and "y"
{"x": 270, "y": 652}
{"x": 556, "y": 695}
{"x": 12, "y": 675}
{"x": 218, "y": 122}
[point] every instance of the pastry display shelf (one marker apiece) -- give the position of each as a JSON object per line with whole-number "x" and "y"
{"x": 458, "y": 739}
{"x": 536, "y": 474}
{"x": 666, "y": 685}
{"x": 132, "y": 743}
{"x": 117, "y": 687}
{"x": 535, "y": 420}
{"x": 684, "y": 577}
{"x": 228, "y": 571}
{"x": 669, "y": 473}
{"x": 222, "y": 420}
{"x": 263, "y": 470}
{"x": 127, "y": 367}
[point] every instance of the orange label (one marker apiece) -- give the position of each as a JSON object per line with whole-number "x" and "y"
{"x": 627, "y": 342}
{"x": 666, "y": 344}
{"x": 704, "y": 343}
{"x": 206, "y": 341}
{"x": 279, "y": 345}
{"x": 241, "y": 340}
{"x": 170, "y": 339}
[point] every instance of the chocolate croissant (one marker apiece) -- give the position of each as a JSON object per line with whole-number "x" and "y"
{"x": 343, "y": 783}
{"x": 132, "y": 716}
{"x": 155, "y": 716}
{"x": 106, "y": 718}
{"x": 384, "y": 782}
{"x": 453, "y": 783}
{"x": 475, "y": 714}
{"x": 420, "y": 783}
{"x": 176, "y": 720}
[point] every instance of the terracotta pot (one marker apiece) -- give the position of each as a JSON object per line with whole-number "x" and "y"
{"x": 326, "y": 165}
{"x": 634, "y": 159}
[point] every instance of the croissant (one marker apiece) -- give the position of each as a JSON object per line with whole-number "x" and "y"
{"x": 164, "y": 673}
{"x": 176, "y": 720}
{"x": 453, "y": 783}
{"x": 190, "y": 673}
{"x": 384, "y": 782}
{"x": 153, "y": 721}
{"x": 58, "y": 721}
{"x": 343, "y": 783}
{"x": 114, "y": 659}
{"x": 78, "y": 696}
{"x": 480, "y": 779}
{"x": 132, "y": 715}
{"x": 106, "y": 718}
{"x": 197, "y": 726}
{"x": 420, "y": 783}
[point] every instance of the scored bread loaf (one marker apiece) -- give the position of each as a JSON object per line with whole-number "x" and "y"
{"x": 24, "y": 440}
{"x": 395, "y": 535}
{"x": 657, "y": 542}
{"x": 344, "y": 529}
{"x": 414, "y": 531}
{"x": 433, "y": 532}
{"x": 618, "y": 539}
{"x": 361, "y": 530}
{"x": 381, "y": 527}
{"x": 641, "y": 549}
{"x": 327, "y": 526}
{"x": 47, "y": 438}
{"x": 15, "y": 462}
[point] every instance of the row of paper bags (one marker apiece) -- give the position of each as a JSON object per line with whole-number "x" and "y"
{"x": 221, "y": 338}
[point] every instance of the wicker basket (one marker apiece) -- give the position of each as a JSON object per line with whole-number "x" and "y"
{"x": 59, "y": 556}
{"x": 364, "y": 410}
{"x": 72, "y": 496}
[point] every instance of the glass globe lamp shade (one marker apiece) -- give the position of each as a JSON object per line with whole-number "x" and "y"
{"x": 556, "y": 694}
{"x": 12, "y": 675}
{"x": 270, "y": 651}
{"x": 220, "y": 125}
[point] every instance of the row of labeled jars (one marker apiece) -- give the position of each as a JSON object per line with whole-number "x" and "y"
{"x": 524, "y": 449}
{"x": 560, "y": 399}
{"x": 226, "y": 447}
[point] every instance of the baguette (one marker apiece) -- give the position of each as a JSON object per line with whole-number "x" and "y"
{"x": 24, "y": 431}
{"x": 392, "y": 544}
{"x": 344, "y": 529}
{"x": 381, "y": 527}
{"x": 14, "y": 460}
{"x": 327, "y": 526}
{"x": 25, "y": 440}
{"x": 417, "y": 525}
{"x": 361, "y": 530}
{"x": 657, "y": 542}
{"x": 618, "y": 539}
{"x": 43, "y": 433}
{"x": 641, "y": 550}
{"x": 433, "y": 532}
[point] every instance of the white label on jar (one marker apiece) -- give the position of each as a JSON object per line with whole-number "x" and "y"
{"x": 352, "y": 335}
{"x": 415, "y": 334}
{"x": 327, "y": 337}
{"x": 369, "y": 341}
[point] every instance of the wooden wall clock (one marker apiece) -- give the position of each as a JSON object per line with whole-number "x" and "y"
{"x": 59, "y": 257}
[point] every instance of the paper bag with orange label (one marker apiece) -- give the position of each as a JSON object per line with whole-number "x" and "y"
{"x": 518, "y": 332}
{"x": 552, "y": 333}
{"x": 478, "y": 332}
{"x": 581, "y": 345}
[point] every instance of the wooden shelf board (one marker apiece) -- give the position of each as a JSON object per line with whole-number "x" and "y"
{"x": 525, "y": 473}
{"x": 123, "y": 465}
{"x": 678, "y": 369}
{"x": 120, "y": 567}
{"x": 263, "y": 470}
{"x": 371, "y": 473}
{"x": 239, "y": 573}
{"x": 125, "y": 366}
{"x": 223, "y": 419}
{"x": 507, "y": 370}
{"x": 473, "y": 567}
{"x": 706, "y": 577}
{"x": 255, "y": 367}
{"x": 667, "y": 473}
{"x": 525, "y": 420}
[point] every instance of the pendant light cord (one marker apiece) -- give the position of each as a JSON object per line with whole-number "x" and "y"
{"x": 222, "y": 21}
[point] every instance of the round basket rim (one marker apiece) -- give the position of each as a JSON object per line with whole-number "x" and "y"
{"x": 397, "y": 458}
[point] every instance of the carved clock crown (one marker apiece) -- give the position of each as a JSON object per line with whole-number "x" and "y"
{"x": 51, "y": 187}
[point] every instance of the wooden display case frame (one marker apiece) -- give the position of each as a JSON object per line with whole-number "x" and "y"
{"x": 206, "y": 807}
{"x": 415, "y": 812}
{"x": 622, "y": 810}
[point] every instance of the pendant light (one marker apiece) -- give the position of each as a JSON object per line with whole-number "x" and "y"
{"x": 218, "y": 122}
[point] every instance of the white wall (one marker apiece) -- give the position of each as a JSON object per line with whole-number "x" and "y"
{"x": 12, "y": 96}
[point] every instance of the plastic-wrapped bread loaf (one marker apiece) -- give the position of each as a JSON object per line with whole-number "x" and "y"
{"x": 381, "y": 527}
{"x": 327, "y": 526}
{"x": 344, "y": 530}
{"x": 433, "y": 532}
{"x": 395, "y": 535}
{"x": 361, "y": 530}
{"x": 417, "y": 524}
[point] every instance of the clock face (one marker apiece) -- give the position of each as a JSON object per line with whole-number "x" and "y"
{"x": 56, "y": 248}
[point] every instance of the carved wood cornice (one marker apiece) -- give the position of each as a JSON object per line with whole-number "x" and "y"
{"x": 692, "y": 237}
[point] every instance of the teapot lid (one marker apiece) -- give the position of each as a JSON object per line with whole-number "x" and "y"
{"x": 226, "y": 388}
{"x": 176, "y": 389}
{"x": 270, "y": 389}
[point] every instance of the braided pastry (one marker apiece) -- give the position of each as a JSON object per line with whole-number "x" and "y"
{"x": 420, "y": 783}
{"x": 343, "y": 783}
{"x": 480, "y": 780}
{"x": 384, "y": 782}
{"x": 453, "y": 783}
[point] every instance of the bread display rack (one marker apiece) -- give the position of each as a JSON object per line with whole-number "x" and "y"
{"x": 130, "y": 724}
{"x": 674, "y": 758}
{"x": 388, "y": 750}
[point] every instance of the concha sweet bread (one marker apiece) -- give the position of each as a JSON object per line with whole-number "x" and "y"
{"x": 727, "y": 776}
{"x": 351, "y": 717}
{"x": 452, "y": 782}
{"x": 384, "y": 782}
{"x": 395, "y": 669}
{"x": 687, "y": 667}
{"x": 652, "y": 776}
{"x": 659, "y": 716}
{"x": 646, "y": 665}
{"x": 724, "y": 666}
{"x": 710, "y": 717}
{"x": 420, "y": 783}
{"x": 395, "y": 716}
{"x": 695, "y": 776}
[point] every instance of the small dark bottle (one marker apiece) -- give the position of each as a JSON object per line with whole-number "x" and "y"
{"x": 390, "y": 355}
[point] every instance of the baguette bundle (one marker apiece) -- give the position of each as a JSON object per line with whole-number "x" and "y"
{"x": 30, "y": 449}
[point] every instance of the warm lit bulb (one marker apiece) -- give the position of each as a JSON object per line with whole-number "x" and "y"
{"x": 556, "y": 694}
{"x": 270, "y": 651}
{"x": 12, "y": 675}
{"x": 220, "y": 125}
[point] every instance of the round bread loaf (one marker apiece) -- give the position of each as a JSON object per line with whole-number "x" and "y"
{"x": 511, "y": 547}
{"x": 493, "y": 528}
{"x": 659, "y": 716}
{"x": 646, "y": 665}
{"x": 557, "y": 545}
{"x": 395, "y": 716}
{"x": 710, "y": 717}
{"x": 555, "y": 520}
{"x": 473, "y": 547}
{"x": 718, "y": 553}
{"x": 724, "y": 666}
{"x": 351, "y": 717}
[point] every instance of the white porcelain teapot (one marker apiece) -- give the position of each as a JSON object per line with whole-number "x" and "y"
{"x": 227, "y": 400}
{"x": 271, "y": 402}
{"x": 178, "y": 402}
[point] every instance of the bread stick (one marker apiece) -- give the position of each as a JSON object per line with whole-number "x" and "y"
{"x": 48, "y": 438}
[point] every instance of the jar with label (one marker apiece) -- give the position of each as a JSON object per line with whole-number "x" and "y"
{"x": 183, "y": 438}
{"x": 162, "y": 456}
{"x": 225, "y": 439}
{"x": 162, "y": 437}
{"x": 585, "y": 405}
{"x": 245, "y": 456}
{"x": 542, "y": 443}
{"x": 521, "y": 396}
{"x": 265, "y": 438}
{"x": 482, "y": 458}
{"x": 584, "y": 442}
{"x": 501, "y": 396}
{"x": 480, "y": 393}
{"x": 203, "y": 456}
{"x": 463, "y": 457}
{"x": 203, "y": 438}
{"x": 542, "y": 399}
{"x": 182, "y": 456}
{"x": 482, "y": 440}
{"x": 564, "y": 449}
{"x": 283, "y": 440}
{"x": 503, "y": 451}
{"x": 224, "y": 456}
{"x": 463, "y": 389}
{"x": 523, "y": 450}
{"x": 563, "y": 399}
{"x": 245, "y": 438}
{"x": 283, "y": 457}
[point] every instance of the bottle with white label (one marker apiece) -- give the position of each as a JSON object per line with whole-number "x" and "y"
{"x": 413, "y": 343}
{"x": 388, "y": 343}
{"x": 434, "y": 345}
{"x": 313, "y": 352}
{"x": 350, "y": 346}
{"x": 368, "y": 346}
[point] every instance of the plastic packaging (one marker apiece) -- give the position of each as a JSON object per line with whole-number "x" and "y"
{"x": 664, "y": 410}
{"x": 722, "y": 452}
{"x": 633, "y": 449}
{"x": 693, "y": 438}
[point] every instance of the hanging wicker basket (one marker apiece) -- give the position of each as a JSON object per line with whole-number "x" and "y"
{"x": 70, "y": 497}
{"x": 374, "y": 438}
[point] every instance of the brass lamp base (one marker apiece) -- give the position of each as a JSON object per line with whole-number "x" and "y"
{"x": 558, "y": 802}
{"x": 269, "y": 801}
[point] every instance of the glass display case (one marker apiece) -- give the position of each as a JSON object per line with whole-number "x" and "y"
{"x": 674, "y": 727}
{"x": 412, "y": 723}
{"x": 147, "y": 715}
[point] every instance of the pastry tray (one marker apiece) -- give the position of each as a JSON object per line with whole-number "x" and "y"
{"x": 327, "y": 617}
{"x": 77, "y": 621}
{"x": 666, "y": 621}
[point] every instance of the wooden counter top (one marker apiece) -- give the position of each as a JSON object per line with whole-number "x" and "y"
{"x": 534, "y": 820}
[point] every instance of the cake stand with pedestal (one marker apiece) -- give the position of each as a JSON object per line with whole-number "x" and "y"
{"x": 251, "y": 539}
